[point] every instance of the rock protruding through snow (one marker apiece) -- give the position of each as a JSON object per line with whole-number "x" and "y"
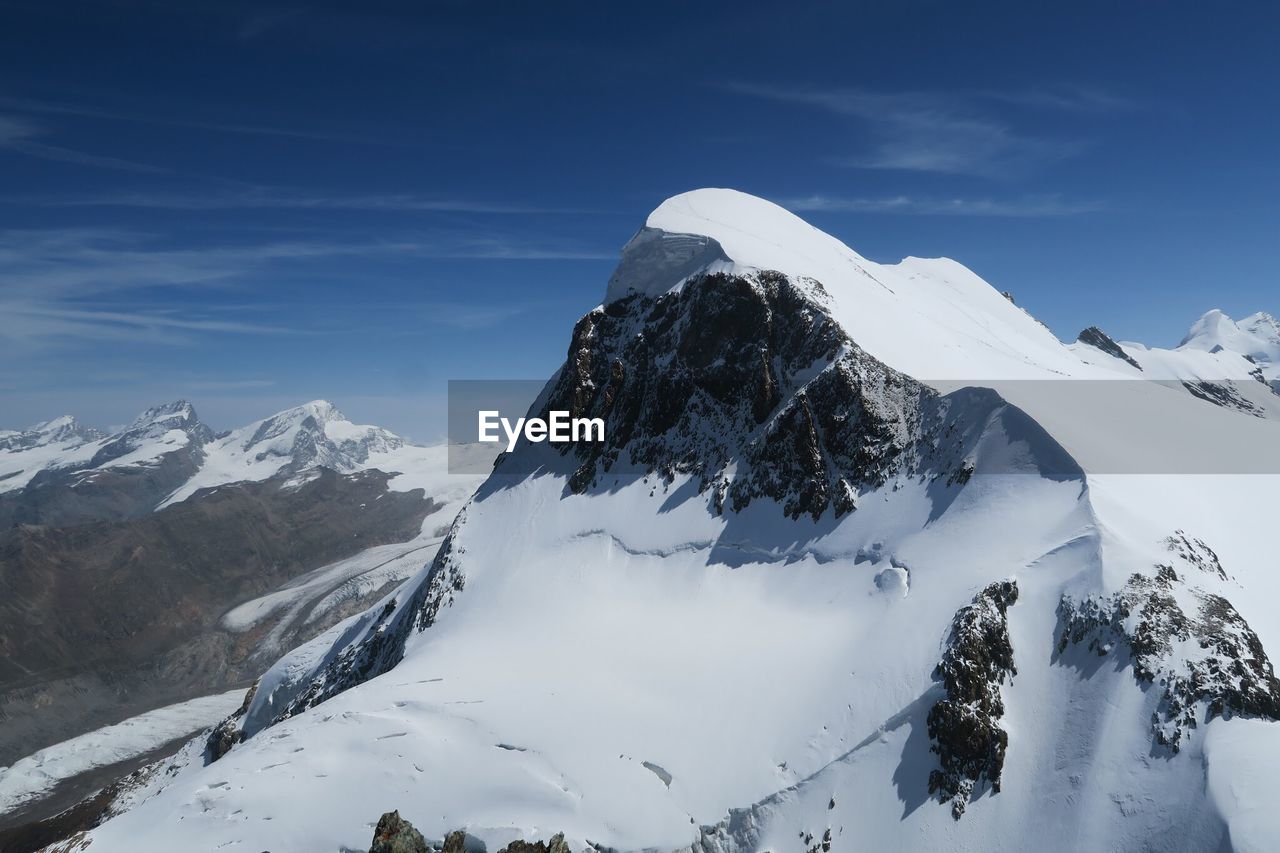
{"x": 1190, "y": 644}
{"x": 965, "y": 724}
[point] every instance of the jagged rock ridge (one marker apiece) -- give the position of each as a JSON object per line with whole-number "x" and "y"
{"x": 964, "y": 725}
{"x": 1191, "y": 644}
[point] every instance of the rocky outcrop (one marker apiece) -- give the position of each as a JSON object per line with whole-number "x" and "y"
{"x": 745, "y": 383}
{"x": 1194, "y": 552}
{"x": 1224, "y": 394}
{"x": 229, "y": 732}
{"x": 555, "y": 845}
{"x": 1100, "y": 340}
{"x": 964, "y": 726}
{"x": 394, "y": 834}
{"x": 1190, "y": 644}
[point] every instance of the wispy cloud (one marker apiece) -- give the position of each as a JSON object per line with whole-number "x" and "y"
{"x": 36, "y": 324}
{"x": 76, "y": 285}
{"x": 272, "y": 198}
{"x": 23, "y": 136}
{"x": 1073, "y": 99}
{"x": 1031, "y": 207}
{"x": 952, "y": 133}
{"x": 85, "y": 262}
{"x": 173, "y": 118}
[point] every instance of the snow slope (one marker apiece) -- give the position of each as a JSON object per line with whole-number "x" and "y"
{"x": 643, "y": 661}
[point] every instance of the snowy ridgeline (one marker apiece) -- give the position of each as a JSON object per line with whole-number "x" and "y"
{"x": 293, "y": 442}
{"x": 812, "y": 594}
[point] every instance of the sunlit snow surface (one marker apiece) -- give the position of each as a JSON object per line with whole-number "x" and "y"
{"x": 756, "y": 661}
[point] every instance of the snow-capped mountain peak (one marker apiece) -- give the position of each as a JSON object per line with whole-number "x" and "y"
{"x": 314, "y": 433}
{"x": 65, "y": 432}
{"x": 719, "y": 228}
{"x": 292, "y": 441}
{"x": 158, "y": 430}
{"x": 1257, "y": 338}
{"x": 1261, "y": 323}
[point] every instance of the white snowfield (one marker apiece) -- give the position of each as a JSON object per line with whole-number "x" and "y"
{"x": 628, "y": 667}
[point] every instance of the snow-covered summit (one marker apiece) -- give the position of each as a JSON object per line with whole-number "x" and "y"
{"x": 932, "y": 318}
{"x": 725, "y": 227}
{"x": 1257, "y": 337}
{"x": 158, "y": 430}
{"x": 65, "y": 431}
{"x": 315, "y": 434}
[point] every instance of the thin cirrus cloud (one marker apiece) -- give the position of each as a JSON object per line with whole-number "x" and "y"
{"x": 272, "y": 198}
{"x": 1034, "y": 207}
{"x": 940, "y": 133}
{"x": 22, "y": 136}
{"x": 82, "y": 262}
{"x": 172, "y": 118}
{"x": 63, "y": 287}
{"x": 41, "y": 324}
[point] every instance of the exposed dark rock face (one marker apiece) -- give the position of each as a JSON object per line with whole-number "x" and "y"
{"x": 748, "y": 370}
{"x": 1191, "y": 643}
{"x": 1224, "y": 394}
{"x": 102, "y": 621}
{"x": 394, "y": 834}
{"x": 965, "y": 724}
{"x": 228, "y": 733}
{"x": 1098, "y": 339}
{"x": 1196, "y": 553}
{"x": 555, "y": 845}
{"x": 455, "y": 842}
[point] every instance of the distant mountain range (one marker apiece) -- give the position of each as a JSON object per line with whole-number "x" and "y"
{"x": 164, "y": 562}
{"x": 857, "y": 566}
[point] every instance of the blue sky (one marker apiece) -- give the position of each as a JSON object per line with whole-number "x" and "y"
{"x": 251, "y": 205}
